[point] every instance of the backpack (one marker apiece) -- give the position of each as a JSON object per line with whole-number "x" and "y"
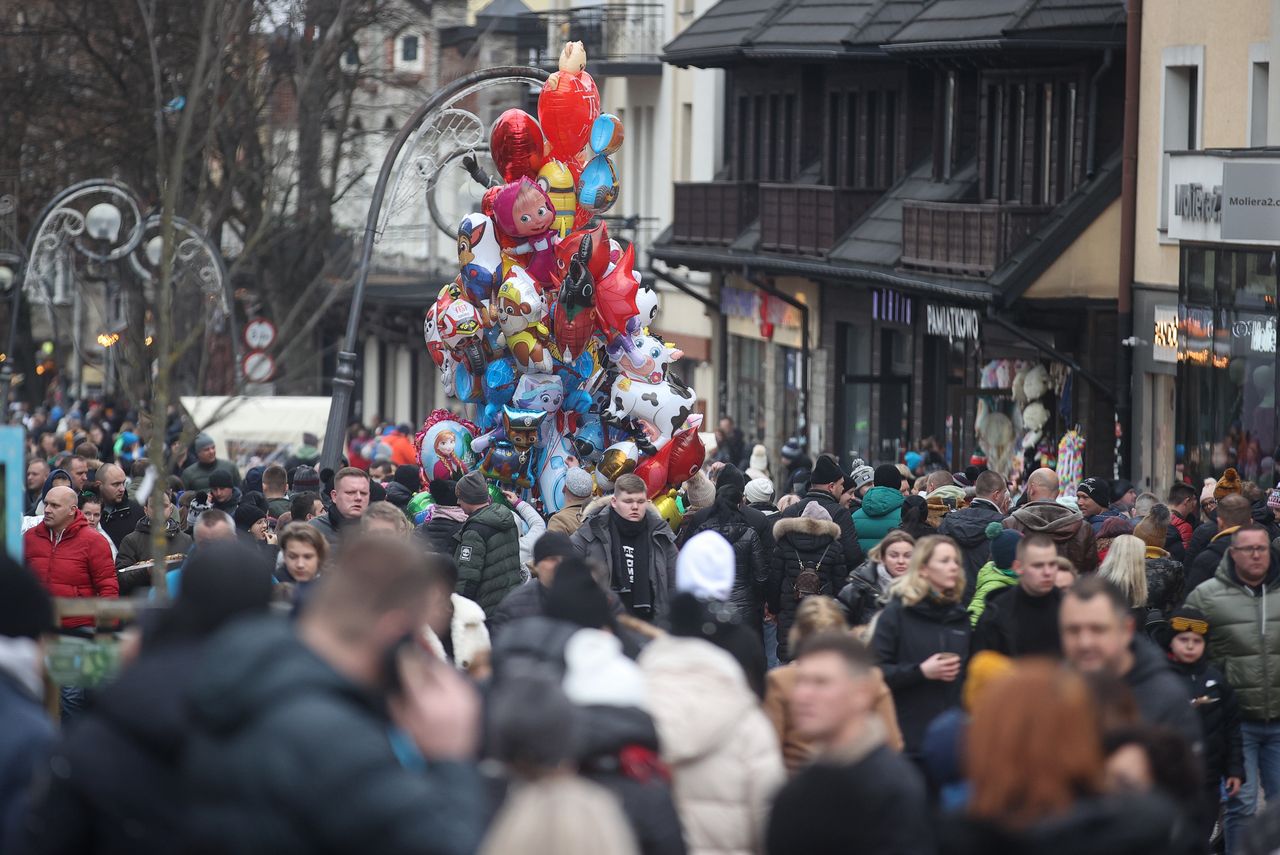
{"x": 809, "y": 583}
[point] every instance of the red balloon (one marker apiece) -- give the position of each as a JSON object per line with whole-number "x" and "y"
{"x": 518, "y": 145}
{"x": 653, "y": 471}
{"x": 567, "y": 106}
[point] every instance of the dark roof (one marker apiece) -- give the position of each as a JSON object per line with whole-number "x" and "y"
{"x": 734, "y": 29}
{"x": 947, "y": 24}
{"x": 502, "y": 16}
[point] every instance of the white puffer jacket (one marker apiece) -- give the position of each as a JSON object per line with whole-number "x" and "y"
{"x": 723, "y": 753}
{"x": 467, "y": 629}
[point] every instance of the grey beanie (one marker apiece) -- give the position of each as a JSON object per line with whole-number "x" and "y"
{"x": 473, "y": 489}
{"x": 578, "y": 482}
{"x": 203, "y": 441}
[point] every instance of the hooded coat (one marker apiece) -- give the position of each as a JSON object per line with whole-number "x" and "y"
{"x": 905, "y": 636}
{"x": 76, "y": 564}
{"x": 487, "y": 553}
{"x": 1244, "y": 642}
{"x": 594, "y": 542}
{"x": 881, "y": 512}
{"x": 741, "y": 527}
{"x": 841, "y": 516}
{"x": 968, "y": 527}
{"x": 802, "y": 541}
{"x": 723, "y": 754}
{"x": 943, "y": 501}
{"x": 1165, "y": 581}
{"x": 1072, "y": 536}
{"x": 289, "y": 756}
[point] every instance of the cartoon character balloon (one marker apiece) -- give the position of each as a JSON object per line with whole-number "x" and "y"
{"x": 556, "y": 178}
{"x": 444, "y": 446}
{"x": 526, "y": 215}
{"x": 479, "y": 257}
{"x": 569, "y": 103}
{"x": 520, "y": 311}
{"x": 462, "y": 331}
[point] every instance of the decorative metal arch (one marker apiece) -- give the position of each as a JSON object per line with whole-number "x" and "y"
{"x": 439, "y": 128}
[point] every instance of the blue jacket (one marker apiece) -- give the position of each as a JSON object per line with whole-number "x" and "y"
{"x": 25, "y": 741}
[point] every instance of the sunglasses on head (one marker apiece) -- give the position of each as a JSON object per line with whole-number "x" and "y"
{"x": 1186, "y": 624}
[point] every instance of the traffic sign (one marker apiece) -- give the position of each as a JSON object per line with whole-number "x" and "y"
{"x": 258, "y": 367}
{"x": 259, "y": 334}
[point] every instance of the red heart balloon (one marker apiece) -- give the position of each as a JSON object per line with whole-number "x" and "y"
{"x": 567, "y": 106}
{"x": 518, "y": 145}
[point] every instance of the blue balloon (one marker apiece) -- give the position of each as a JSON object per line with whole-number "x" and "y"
{"x": 606, "y": 134}
{"x": 466, "y": 387}
{"x": 598, "y": 185}
{"x": 500, "y": 381}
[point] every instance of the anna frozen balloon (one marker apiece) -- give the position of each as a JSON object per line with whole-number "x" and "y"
{"x": 445, "y": 446}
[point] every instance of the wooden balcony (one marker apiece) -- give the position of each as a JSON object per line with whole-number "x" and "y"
{"x": 713, "y": 212}
{"x": 808, "y": 219}
{"x": 965, "y": 239}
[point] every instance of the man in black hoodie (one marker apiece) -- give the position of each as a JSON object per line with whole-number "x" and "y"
{"x": 968, "y": 526}
{"x": 1098, "y": 635}
{"x": 825, "y": 487}
{"x": 1234, "y": 511}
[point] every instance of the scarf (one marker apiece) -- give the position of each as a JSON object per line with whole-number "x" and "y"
{"x": 631, "y": 563}
{"x": 885, "y": 578}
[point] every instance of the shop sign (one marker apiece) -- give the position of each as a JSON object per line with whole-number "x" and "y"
{"x": 1260, "y": 333}
{"x": 737, "y": 302}
{"x": 749, "y": 303}
{"x": 952, "y": 322}
{"x": 1164, "y": 339}
{"x": 1251, "y": 201}
{"x": 1215, "y": 198}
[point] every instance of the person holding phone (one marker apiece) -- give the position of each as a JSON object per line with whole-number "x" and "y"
{"x": 922, "y": 638}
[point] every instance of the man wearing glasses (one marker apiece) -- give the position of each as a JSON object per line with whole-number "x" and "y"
{"x": 1242, "y": 604}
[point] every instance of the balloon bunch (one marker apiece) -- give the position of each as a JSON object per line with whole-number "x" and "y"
{"x": 545, "y": 329}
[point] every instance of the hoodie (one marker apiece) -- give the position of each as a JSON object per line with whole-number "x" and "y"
{"x": 1071, "y": 534}
{"x": 265, "y": 709}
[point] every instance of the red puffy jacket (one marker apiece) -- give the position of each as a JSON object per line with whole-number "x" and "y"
{"x": 78, "y": 564}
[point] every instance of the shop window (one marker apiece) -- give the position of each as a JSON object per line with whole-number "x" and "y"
{"x": 853, "y": 393}
{"x": 790, "y": 383}
{"x": 747, "y": 401}
{"x": 1226, "y": 413}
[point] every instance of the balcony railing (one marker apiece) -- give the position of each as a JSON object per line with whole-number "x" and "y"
{"x": 619, "y": 37}
{"x": 809, "y": 219}
{"x": 965, "y": 239}
{"x": 713, "y": 212}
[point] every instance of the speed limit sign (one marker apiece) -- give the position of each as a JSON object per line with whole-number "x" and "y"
{"x": 259, "y": 334}
{"x": 258, "y": 367}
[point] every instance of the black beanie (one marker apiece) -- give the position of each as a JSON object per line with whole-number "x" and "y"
{"x": 25, "y": 607}
{"x": 826, "y": 471}
{"x": 444, "y": 492}
{"x": 888, "y": 475}
{"x": 1187, "y": 614}
{"x": 247, "y": 515}
{"x": 729, "y": 486}
{"x": 221, "y": 581}
{"x": 576, "y": 597}
{"x": 409, "y": 477}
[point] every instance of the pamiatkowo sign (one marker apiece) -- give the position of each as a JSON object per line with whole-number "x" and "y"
{"x": 952, "y": 322}
{"x": 1224, "y": 198}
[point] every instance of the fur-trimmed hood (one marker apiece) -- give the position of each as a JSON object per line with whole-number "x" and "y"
{"x": 467, "y": 629}
{"x": 805, "y": 525}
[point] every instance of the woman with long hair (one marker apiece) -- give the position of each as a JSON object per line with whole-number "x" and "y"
{"x": 867, "y": 589}
{"x": 922, "y": 637}
{"x": 815, "y": 615}
{"x": 1126, "y": 568}
{"x": 1034, "y": 758}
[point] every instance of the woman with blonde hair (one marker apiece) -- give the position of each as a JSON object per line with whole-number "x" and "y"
{"x": 1126, "y": 568}
{"x": 1033, "y": 755}
{"x": 922, "y": 637}
{"x": 867, "y": 590}
{"x": 813, "y": 616}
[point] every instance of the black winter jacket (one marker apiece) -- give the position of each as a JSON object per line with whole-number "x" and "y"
{"x": 1016, "y": 624}
{"x": 841, "y": 516}
{"x": 1159, "y": 693}
{"x": 1166, "y": 581}
{"x": 118, "y": 788}
{"x": 968, "y": 527}
{"x": 618, "y": 749}
{"x": 906, "y": 636}
{"x": 1205, "y": 564}
{"x": 438, "y": 532}
{"x": 862, "y": 596}
{"x": 802, "y": 541}
{"x": 122, "y": 520}
{"x": 1215, "y": 702}
{"x": 1111, "y": 825}
{"x": 1200, "y": 538}
{"x": 742, "y": 529}
{"x": 289, "y": 756}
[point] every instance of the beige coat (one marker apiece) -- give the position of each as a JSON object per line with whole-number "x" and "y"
{"x": 723, "y": 754}
{"x": 796, "y": 752}
{"x": 568, "y": 519}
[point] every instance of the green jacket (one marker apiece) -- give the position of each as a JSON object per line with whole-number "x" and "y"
{"x": 990, "y": 579}
{"x": 880, "y": 513}
{"x": 488, "y": 556}
{"x": 196, "y": 476}
{"x": 1244, "y": 637}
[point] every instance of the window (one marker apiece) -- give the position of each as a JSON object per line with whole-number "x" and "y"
{"x": 1180, "y": 111}
{"x": 1259, "y": 90}
{"x": 686, "y": 141}
{"x": 408, "y": 54}
{"x": 351, "y": 58}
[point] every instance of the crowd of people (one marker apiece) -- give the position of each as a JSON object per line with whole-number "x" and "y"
{"x": 886, "y": 658}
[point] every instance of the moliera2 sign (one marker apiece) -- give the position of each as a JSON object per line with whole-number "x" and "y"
{"x": 1228, "y": 196}
{"x": 952, "y": 322}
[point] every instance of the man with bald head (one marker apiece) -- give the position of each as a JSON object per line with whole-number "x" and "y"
{"x": 120, "y": 514}
{"x": 1040, "y": 512}
{"x": 68, "y": 557}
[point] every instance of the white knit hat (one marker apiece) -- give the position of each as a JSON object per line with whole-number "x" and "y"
{"x": 758, "y": 490}
{"x": 597, "y": 672}
{"x": 705, "y": 567}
